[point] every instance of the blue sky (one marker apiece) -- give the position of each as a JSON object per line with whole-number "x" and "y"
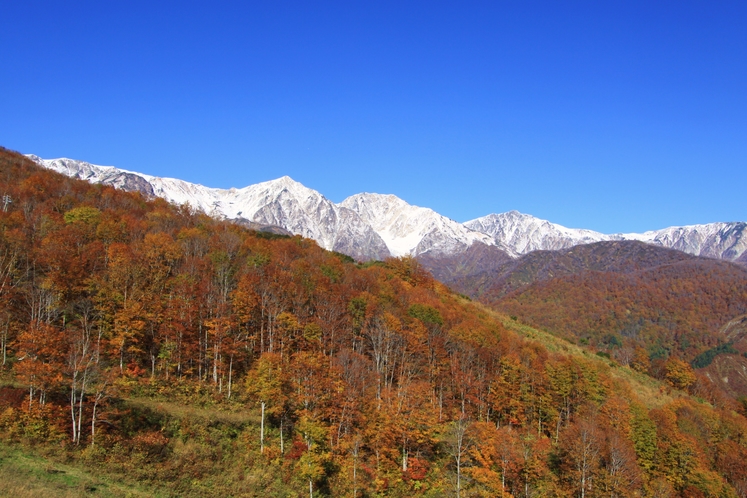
{"x": 614, "y": 116}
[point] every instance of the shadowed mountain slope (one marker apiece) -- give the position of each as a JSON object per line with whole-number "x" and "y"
{"x": 619, "y": 297}
{"x": 489, "y": 273}
{"x": 674, "y": 308}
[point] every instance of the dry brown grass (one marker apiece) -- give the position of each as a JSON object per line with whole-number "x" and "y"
{"x": 182, "y": 411}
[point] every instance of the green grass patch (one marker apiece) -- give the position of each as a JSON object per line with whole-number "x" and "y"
{"x": 26, "y": 474}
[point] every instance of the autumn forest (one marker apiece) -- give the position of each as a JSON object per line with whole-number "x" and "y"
{"x": 150, "y": 350}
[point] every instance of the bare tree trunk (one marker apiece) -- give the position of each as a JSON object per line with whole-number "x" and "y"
{"x": 458, "y": 445}
{"x": 215, "y": 364}
{"x": 73, "y": 399}
{"x": 80, "y": 404}
{"x": 355, "y": 467}
{"x": 93, "y": 423}
{"x": 97, "y": 400}
{"x": 31, "y": 393}
{"x": 282, "y": 443}
{"x": 5, "y": 342}
{"x": 262, "y": 430}
{"x": 230, "y": 373}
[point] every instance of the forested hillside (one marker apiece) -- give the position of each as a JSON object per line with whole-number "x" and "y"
{"x": 626, "y": 299}
{"x": 615, "y": 257}
{"x": 167, "y": 353}
{"x": 673, "y": 310}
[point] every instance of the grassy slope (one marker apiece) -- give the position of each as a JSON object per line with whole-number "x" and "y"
{"x": 652, "y": 392}
{"x": 29, "y": 474}
{"x": 46, "y": 470}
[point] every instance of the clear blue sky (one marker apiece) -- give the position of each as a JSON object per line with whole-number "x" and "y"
{"x": 615, "y": 116}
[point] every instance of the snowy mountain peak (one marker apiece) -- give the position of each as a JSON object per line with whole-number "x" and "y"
{"x": 409, "y": 229}
{"x": 519, "y": 233}
{"x": 284, "y": 182}
{"x": 284, "y": 202}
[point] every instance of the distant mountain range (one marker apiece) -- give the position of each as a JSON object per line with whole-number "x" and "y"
{"x": 375, "y": 226}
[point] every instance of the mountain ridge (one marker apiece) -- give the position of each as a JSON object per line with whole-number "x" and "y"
{"x": 375, "y": 226}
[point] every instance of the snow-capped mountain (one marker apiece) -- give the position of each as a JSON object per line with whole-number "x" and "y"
{"x": 107, "y": 175}
{"x": 408, "y": 229}
{"x": 282, "y": 202}
{"x": 303, "y": 211}
{"x": 365, "y": 226}
{"x": 712, "y": 240}
{"x": 375, "y": 226}
{"x": 518, "y": 233}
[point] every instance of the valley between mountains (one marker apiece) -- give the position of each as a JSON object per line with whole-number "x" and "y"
{"x": 161, "y": 338}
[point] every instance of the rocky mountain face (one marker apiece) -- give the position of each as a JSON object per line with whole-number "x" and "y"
{"x": 713, "y": 240}
{"x": 414, "y": 230}
{"x": 519, "y": 233}
{"x": 303, "y": 211}
{"x": 282, "y": 203}
{"x": 375, "y": 226}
